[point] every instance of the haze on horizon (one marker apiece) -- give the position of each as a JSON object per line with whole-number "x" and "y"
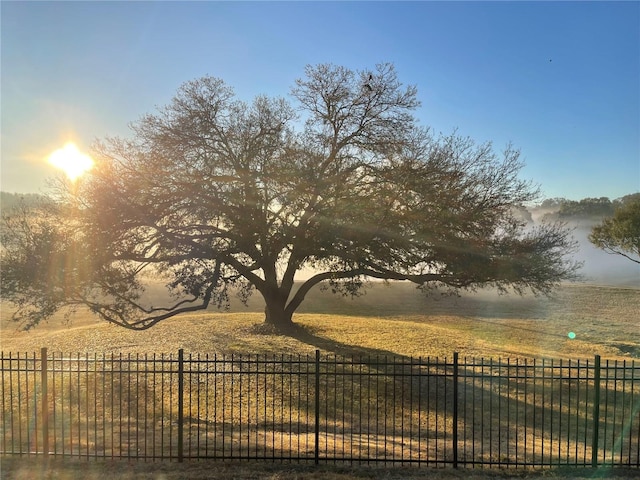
{"x": 558, "y": 80}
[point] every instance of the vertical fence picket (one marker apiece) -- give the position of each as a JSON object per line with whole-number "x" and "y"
{"x": 316, "y": 431}
{"x": 596, "y": 412}
{"x": 455, "y": 409}
{"x": 44, "y": 401}
{"x": 180, "y": 405}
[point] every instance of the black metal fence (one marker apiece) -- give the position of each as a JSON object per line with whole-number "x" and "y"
{"x": 460, "y": 412}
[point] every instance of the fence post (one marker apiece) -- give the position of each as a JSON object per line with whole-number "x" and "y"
{"x": 455, "y": 409}
{"x": 316, "y": 452}
{"x": 180, "y": 405}
{"x": 596, "y": 412}
{"x": 45, "y": 401}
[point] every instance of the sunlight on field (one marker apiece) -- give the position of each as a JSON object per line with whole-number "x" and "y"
{"x": 389, "y": 320}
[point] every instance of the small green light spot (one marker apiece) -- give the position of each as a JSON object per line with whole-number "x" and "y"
{"x": 571, "y": 335}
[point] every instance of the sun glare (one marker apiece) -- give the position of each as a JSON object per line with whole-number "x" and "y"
{"x": 71, "y": 161}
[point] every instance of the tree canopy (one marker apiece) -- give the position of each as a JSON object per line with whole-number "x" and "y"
{"x": 215, "y": 195}
{"x": 620, "y": 234}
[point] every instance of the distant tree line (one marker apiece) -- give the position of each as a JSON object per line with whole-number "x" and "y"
{"x": 590, "y": 208}
{"x": 615, "y": 225}
{"x": 558, "y": 208}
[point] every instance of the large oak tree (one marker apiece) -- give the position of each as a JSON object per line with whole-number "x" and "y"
{"x": 215, "y": 195}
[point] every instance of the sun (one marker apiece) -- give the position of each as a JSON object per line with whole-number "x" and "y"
{"x": 71, "y": 161}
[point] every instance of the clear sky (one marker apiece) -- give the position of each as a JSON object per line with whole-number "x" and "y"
{"x": 561, "y": 81}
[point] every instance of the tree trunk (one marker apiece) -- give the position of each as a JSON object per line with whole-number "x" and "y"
{"x": 275, "y": 315}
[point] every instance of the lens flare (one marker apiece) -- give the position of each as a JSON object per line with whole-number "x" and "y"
{"x": 571, "y": 335}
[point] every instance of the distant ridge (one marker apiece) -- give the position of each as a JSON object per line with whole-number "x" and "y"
{"x": 9, "y": 200}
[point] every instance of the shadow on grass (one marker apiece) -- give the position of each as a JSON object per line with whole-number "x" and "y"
{"x": 555, "y": 401}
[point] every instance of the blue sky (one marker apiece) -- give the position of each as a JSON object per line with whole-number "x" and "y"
{"x": 561, "y": 81}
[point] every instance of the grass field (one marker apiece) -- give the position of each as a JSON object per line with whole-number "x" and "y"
{"x": 390, "y": 319}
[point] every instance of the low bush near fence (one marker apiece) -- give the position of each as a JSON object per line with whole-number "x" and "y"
{"x": 366, "y": 410}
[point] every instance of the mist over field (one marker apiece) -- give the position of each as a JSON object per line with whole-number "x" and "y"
{"x": 598, "y": 266}
{"x": 601, "y": 268}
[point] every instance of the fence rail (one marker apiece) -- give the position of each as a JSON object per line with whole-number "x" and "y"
{"x": 457, "y": 411}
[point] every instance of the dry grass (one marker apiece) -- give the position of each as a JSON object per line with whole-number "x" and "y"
{"x": 388, "y": 320}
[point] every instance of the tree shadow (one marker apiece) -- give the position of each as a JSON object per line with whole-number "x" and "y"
{"x": 553, "y": 407}
{"x": 307, "y": 335}
{"x": 399, "y": 407}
